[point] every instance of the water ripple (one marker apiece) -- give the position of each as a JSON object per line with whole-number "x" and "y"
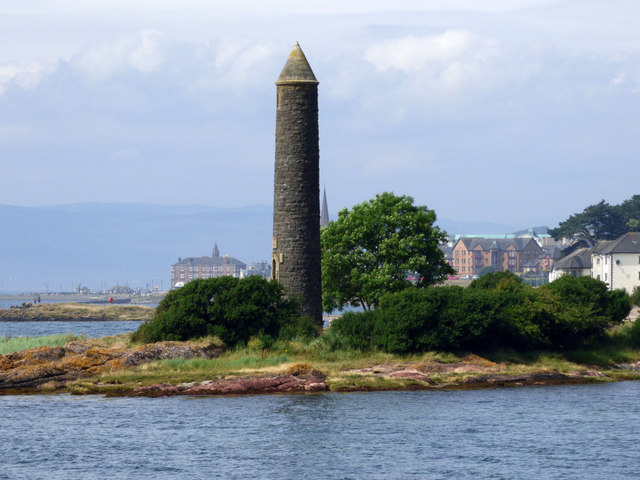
{"x": 581, "y": 432}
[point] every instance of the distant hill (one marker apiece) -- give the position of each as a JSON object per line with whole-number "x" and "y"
{"x": 453, "y": 227}
{"x": 543, "y": 230}
{"x": 56, "y": 248}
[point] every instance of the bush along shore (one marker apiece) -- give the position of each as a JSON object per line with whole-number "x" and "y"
{"x": 231, "y": 336}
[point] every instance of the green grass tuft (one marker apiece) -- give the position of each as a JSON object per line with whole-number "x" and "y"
{"x": 17, "y": 344}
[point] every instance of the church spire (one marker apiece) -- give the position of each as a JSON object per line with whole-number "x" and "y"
{"x": 324, "y": 211}
{"x": 215, "y": 253}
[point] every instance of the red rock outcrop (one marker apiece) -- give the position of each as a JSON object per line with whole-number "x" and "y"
{"x": 29, "y": 369}
{"x": 240, "y": 386}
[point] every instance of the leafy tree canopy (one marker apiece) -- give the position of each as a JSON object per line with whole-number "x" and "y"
{"x": 601, "y": 221}
{"x": 373, "y": 249}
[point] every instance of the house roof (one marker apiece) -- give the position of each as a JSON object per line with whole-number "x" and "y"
{"x": 531, "y": 263}
{"x": 206, "y": 261}
{"x": 577, "y": 260}
{"x": 553, "y": 251}
{"x": 446, "y": 250}
{"x": 627, "y": 243}
{"x": 497, "y": 243}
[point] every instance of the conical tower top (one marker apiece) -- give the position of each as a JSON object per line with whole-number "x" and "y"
{"x": 297, "y": 69}
{"x": 324, "y": 210}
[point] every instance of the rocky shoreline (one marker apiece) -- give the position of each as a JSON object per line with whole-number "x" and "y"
{"x": 75, "y": 312}
{"x": 44, "y": 369}
{"x": 55, "y": 369}
{"x": 318, "y": 383}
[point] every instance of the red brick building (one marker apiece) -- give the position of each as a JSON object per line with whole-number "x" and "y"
{"x": 470, "y": 255}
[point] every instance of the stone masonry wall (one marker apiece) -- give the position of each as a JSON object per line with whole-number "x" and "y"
{"x": 296, "y": 209}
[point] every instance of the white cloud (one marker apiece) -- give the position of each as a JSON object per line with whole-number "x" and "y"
{"x": 25, "y": 76}
{"x": 237, "y": 59}
{"x": 142, "y": 52}
{"x": 411, "y": 53}
{"x": 447, "y": 61}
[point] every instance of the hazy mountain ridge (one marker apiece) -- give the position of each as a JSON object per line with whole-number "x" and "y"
{"x": 99, "y": 245}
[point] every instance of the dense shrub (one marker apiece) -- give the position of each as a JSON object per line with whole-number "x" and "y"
{"x": 493, "y": 280}
{"x": 416, "y": 320}
{"x": 604, "y": 307}
{"x": 230, "y": 308}
{"x": 354, "y": 329}
{"x": 635, "y": 296}
{"x": 443, "y": 318}
{"x": 497, "y": 310}
{"x": 634, "y": 334}
{"x": 298, "y": 327}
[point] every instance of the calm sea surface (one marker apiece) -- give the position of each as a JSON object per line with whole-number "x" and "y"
{"x": 38, "y": 329}
{"x": 559, "y": 432}
{"x": 90, "y": 329}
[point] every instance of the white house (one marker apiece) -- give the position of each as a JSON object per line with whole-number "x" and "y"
{"x": 577, "y": 263}
{"x": 617, "y": 262}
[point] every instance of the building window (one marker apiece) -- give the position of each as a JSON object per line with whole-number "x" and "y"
{"x": 605, "y": 276}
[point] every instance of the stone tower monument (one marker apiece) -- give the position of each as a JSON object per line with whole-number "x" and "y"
{"x": 295, "y": 260}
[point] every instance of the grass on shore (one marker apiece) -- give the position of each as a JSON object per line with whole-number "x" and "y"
{"x": 17, "y": 344}
{"x": 345, "y": 367}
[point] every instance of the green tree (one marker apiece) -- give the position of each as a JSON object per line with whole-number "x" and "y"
{"x": 630, "y": 212}
{"x": 373, "y": 249}
{"x": 601, "y": 221}
{"x": 487, "y": 269}
{"x": 491, "y": 280}
{"x": 635, "y": 296}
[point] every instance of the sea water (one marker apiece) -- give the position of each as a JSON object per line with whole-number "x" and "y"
{"x": 93, "y": 329}
{"x": 551, "y": 432}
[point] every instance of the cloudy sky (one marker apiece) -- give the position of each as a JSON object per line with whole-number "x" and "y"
{"x": 512, "y": 111}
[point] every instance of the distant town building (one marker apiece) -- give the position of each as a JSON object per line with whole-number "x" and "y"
{"x": 470, "y": 255}
{"x": 615, "y": 262}
{"x": 190, "y": 268}
{"x": 262, "y": 269}
{"x": 550, "y": 254}
{"x": 577, "y": 263}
